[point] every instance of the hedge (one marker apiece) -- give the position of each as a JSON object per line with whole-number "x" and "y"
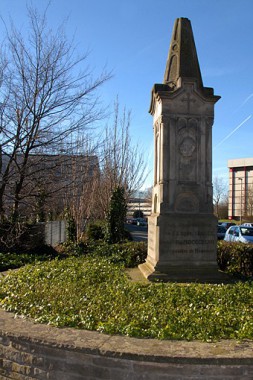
{"x": 235, "y": 258}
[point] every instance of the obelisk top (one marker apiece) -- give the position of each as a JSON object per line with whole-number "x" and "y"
{"x": 182, "y": 60}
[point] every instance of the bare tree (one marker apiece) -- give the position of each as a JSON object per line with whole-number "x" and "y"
{"x": 79, "y": 197}
{"x": 223, "y": 207}
{"x": 148, "y": 195}
{"x": 45, "y": 100}
{"x": 219, "y": 193}
{"x": 122, "y": 162}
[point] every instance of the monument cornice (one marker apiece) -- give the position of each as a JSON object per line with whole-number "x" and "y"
{"x": 164, "y": 91}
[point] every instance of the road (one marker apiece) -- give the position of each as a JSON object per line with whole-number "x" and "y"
{"x": 138, "y": 233}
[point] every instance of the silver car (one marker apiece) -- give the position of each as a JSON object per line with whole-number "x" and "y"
{"x": 241, "y": 234}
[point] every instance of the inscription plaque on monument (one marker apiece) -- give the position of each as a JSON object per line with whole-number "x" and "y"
{"x": 182, "y": 235}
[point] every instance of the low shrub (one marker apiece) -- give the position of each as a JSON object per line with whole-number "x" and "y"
{"x": 96, "y": 230}
{"x": 130, "y": 254}
{"x": 20, "y": 237}
{"x": 70, "y": 248}
{"x": 13, "y": 260}
{"x": 235, "y": 258}
{"x": 92, "y": 293}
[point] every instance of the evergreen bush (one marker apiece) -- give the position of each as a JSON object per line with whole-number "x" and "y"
{"x": 96, "y": 230}
{"x": 235, "y": 258}
{"x": 116, "y": 216}
{"x": 138, "y": 214}
{"x": 130, "y": 254}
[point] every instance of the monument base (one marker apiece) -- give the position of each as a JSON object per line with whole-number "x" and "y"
{"x": 180, "y": 274}
{"x": 182, "y": 248}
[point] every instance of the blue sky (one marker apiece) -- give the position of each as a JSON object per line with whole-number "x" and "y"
{"x": 132, "y": 38}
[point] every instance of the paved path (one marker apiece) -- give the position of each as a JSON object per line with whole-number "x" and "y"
{"x": 138, "y": 233}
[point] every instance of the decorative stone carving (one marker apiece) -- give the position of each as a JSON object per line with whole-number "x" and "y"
{"x": 209, "y": 121}
{"x": 186, "y": 202}
{"x": 187, "y": 147}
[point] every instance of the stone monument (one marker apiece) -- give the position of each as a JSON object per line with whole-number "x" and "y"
{"x": 182, "y": 230}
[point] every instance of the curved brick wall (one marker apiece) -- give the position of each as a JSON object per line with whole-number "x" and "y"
{"x": 32, "y": 351}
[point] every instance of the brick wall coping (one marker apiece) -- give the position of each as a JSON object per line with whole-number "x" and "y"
{"x": 226, "y": 352}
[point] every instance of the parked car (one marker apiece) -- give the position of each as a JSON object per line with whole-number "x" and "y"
{"x": 131, "y": 221}
{"x": 227, "y": 224}
{"x": 142, "y": 222}
{"x": 221, "y": 232}
{"x": 247, "y": 224}
{"x": 241, "y": 234}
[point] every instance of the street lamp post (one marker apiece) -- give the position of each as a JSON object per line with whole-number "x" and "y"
{"x": 240, "y": 179}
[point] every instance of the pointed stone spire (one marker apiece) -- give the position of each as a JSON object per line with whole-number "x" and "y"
{"x": 182, "y": 60}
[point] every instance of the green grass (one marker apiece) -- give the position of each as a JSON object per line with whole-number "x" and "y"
{"x": 93, "y": 293}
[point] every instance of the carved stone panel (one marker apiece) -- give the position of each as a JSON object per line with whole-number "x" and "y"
{"x": 186, "y": 203}
{"x": 187, "y": 150}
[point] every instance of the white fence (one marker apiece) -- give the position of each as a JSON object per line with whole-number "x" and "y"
{"x": 55, "y": 232}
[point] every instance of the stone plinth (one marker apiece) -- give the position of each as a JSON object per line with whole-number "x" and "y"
{"x": 182, "y": 248}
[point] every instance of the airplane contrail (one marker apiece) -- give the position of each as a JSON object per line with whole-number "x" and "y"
{"x": 247, "y": 99}
{"x": 234, "y": 130}
{"x": 243, "y": 103}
